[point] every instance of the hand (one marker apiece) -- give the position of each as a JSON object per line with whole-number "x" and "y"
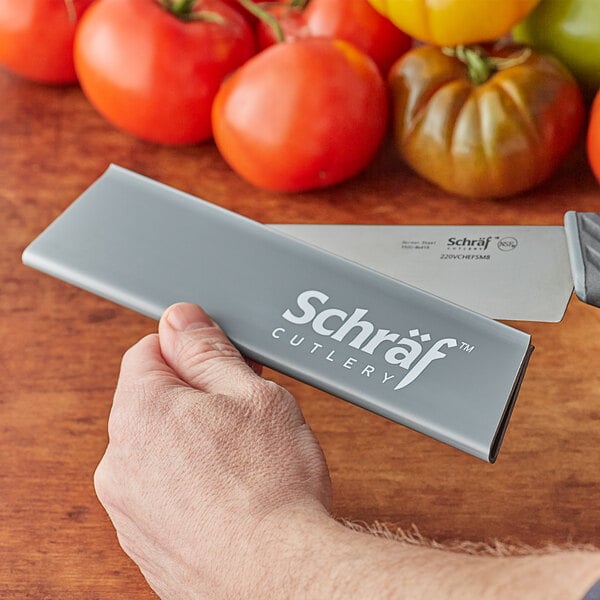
{"x": 205, "y": 458}
{"x": 218, "y": 489}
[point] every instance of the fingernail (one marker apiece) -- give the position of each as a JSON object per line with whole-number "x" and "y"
{"x": 182, "y": 317}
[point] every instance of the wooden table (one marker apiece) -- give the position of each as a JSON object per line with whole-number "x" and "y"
{"x": 61, "y": 347}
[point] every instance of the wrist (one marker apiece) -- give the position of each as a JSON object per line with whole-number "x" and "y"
{"x": 302, "y": 551}
{"x": 288, "y": 553}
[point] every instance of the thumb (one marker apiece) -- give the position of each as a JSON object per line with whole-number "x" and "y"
{"x": 198, "y": 350}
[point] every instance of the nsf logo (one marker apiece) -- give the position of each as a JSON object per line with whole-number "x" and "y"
{"x": 506, "y": 244}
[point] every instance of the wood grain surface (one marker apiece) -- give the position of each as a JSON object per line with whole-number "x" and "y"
{"x": 60, "y": 350}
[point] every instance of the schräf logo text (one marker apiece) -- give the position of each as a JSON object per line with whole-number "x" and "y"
{"x": 404, "y": 356}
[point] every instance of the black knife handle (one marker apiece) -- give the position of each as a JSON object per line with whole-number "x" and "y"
{"x": 583, "y": 240}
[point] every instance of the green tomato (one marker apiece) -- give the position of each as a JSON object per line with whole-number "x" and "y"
{"x": 570, "y": 30}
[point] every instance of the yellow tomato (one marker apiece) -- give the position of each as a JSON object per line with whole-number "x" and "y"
{"x": 454, "y": 22}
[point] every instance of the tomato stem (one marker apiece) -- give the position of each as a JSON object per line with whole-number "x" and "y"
{"x": 208, "y": 16}
{"x": 513, "y": 60}
{"x": 185, "y": 10}
{"x": 71, "y": 12}
{"x": 480, "y": 65}
{"x": 265, "y": 17}
{"x": 182, "y": 7}
{"x": 476, "y": 61}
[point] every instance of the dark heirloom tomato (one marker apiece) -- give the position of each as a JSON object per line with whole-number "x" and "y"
{"x": 301, "y": 115}
{"x": 490, "y": 139}
{"x": 154, "y": 73}
{"x": 36, "y": 38}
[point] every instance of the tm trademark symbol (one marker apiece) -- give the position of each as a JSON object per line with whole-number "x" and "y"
{"x": 466, "y": 347}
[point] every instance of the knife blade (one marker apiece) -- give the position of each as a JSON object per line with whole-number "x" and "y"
{"x": 522, "y": 273}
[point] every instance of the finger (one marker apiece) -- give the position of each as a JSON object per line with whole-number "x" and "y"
{"x": 200, "y": 353}
{"x": 144, "y": 374}
{"x": 142, "y": 358}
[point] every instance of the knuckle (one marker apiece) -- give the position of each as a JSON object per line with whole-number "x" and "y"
{"x": 134, "y": 353}
{"x": 272, "y": 399}
{"x": 133, "y": 394}
{"x": 128, "y": 356}
{"x": 197, "y": 350}
{"x": 104, "y": 484}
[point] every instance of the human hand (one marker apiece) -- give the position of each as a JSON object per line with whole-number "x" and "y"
{"x": 205, "y": 460}
{"x": 218, "y": 489}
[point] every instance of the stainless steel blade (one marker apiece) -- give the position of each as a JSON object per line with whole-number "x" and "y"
{"x": 504, "y": 272}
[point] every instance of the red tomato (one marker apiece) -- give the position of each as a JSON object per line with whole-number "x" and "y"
{"x": 154, "y": 74}
{"x": 242, "y": 9}
{"x": 354, "y": 21}
{"x": 593, "y": 137}
{"x": 291, "y": 20}
{"x": 357, "y": 22}
{"x": 301, "y": 115}
{"x": 36, "y": 38}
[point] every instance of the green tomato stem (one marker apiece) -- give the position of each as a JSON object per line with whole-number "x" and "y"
{"x": 184, "y": 10}
{"x": 476, "y": 60}
{"x": 480, "y": 65}
{"x": 182, "y": 7}
{"x": 208, "y": 16}
{"x": 265, "y": 17}
{"x": 71, "y": 12}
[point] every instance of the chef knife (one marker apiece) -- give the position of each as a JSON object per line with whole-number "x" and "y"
{"x": 523, "y": 273}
